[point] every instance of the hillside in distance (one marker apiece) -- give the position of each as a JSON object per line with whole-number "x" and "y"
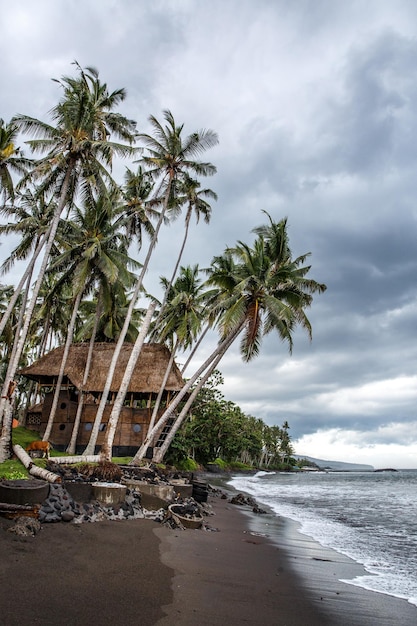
{"x": 337, "y": 466}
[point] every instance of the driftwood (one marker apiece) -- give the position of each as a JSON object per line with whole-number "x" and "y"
{"x": 34, "y": 470}
{"x": 12, "y": 510}
{"x": 87, "y": 458}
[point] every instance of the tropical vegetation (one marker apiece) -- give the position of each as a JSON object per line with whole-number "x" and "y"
{"x": 219, "y": 432}
{"x": 87, "y": 241}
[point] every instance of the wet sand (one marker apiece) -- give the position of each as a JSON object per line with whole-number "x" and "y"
{"x": 255, "y": 570}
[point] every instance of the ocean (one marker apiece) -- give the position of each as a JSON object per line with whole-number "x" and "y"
{"x": 370, "y": 517}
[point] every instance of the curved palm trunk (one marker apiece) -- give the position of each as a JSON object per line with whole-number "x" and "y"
{"x": 112, "y": 368}
{"x": 160, "y": 452}
{"x": 29, "y": 313}
{"x": 174, "y": 273}
{"x": 34, "y": 470}
{"x": 67, "y": 347}
{"x": 28, "y": 272}
{"x": 6, "y": 431}
{"x": 72, "y": 444}
{"x": 194, "y": 350}
{"x": 161, "y": 390}
{"x": 118, "y": 404}
{"x": 220, "y": 350}
{"x": 15, "y": 343}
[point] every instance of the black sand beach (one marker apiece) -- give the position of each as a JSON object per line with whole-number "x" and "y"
{"x": 139, "y": 572}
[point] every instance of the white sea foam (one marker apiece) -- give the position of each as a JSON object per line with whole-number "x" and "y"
{"x": 369, "y": 517}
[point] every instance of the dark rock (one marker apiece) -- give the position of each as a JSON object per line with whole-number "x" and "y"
{"x": 47, "y": 508}
{"x": 258, "y": 510}
{"x": 67, "y": 516}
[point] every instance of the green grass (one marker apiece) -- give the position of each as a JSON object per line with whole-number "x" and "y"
{"x": 24, "y": 436}
{"x": 13, "y": 468}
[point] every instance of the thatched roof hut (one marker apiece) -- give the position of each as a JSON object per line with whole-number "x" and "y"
{"x": 140, "y": 399}
{"x": 147, "y": 376}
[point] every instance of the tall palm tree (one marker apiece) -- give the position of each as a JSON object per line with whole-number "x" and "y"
{"x": 261, "y": 294}
{"x": 78, "y": 155}
{"x": 31, "y": 220}
{"x": 189, "y": 193}
{"x": 106, "y": 449}
{"x": 168, "y": 156}
{"x": 95, "y": 253}
{"x": 180, "y": 323}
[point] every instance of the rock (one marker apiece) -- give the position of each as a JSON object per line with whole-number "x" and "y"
{"x": 67, "y": 516}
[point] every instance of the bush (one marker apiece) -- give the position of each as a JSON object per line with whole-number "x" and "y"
{"x": 232, "y": 465}
{"x": 187, "y": 465}
{"x": 221, "y": 464}
{"x": 237, "y": 465}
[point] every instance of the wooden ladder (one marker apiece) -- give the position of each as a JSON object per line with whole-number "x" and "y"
{"x": 165, "y": 432}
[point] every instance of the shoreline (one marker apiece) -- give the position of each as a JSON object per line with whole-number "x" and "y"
{"x": 233, "y": 576}
{"x": 256, "y": 569}
{"x": 325, "y": 574}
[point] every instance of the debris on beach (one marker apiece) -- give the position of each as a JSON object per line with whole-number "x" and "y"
{"x": 89, "y": 493}
{"x": 25, "y": 527}
{"x": 242, "y": 500}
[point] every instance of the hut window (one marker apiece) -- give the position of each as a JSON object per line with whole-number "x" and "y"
{"x": 102, "y": 427}
{"x": 88, "y": 426}
{"x": 63, "y": 405}
{"x": 34, "y": 419}
{"x": 136, "y": 428}
{"x": 62, "y": 427}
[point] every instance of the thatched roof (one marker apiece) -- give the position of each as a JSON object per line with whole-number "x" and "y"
{"x": 147, "y": 376}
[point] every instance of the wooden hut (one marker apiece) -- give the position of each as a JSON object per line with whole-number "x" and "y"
{"x": 139, "y": 402}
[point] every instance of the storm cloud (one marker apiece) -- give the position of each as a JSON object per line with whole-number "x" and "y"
{"x": 315, "y": 104}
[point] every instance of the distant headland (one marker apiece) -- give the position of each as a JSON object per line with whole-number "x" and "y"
{"x": 336, "y": 466}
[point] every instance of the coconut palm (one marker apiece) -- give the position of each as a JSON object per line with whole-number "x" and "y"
{"x": 11, "y": 160}
{"x": 180, "y": 323}
{"x": 31, "y": 221}
{"x": 95, "y": 253}
{"x": 189, "y": 193}
{"x": 78, "y": 155}
{"x": 168, "y": 156}
{"x": 261, "y": 294}
{"x": 109, "y": 305}
{"x": 136, "y": 208}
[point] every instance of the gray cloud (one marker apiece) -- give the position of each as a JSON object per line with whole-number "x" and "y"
{"x": 315, "y": 106}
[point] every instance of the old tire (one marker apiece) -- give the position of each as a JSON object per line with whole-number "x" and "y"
{"x": 30, "y": 491}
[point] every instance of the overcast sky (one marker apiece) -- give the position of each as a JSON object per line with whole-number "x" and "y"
{"x": 315, "y": 105}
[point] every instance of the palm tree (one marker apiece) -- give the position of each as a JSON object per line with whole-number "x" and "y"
{"x": 189, "y": 193}
{"x": 180, "y": 323}
{"x": 260, "y": 294}
{"x": 95, "y": 253}
{"x": 31, "y": 220}
{"x": 11, "y": 158}
{"x": 78, "y": 155}
{"x": 136, "y": 207}
{"x": 168, "y": 157}
{"x": 109, "y": 305}
{"x": 106, "y": 448}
